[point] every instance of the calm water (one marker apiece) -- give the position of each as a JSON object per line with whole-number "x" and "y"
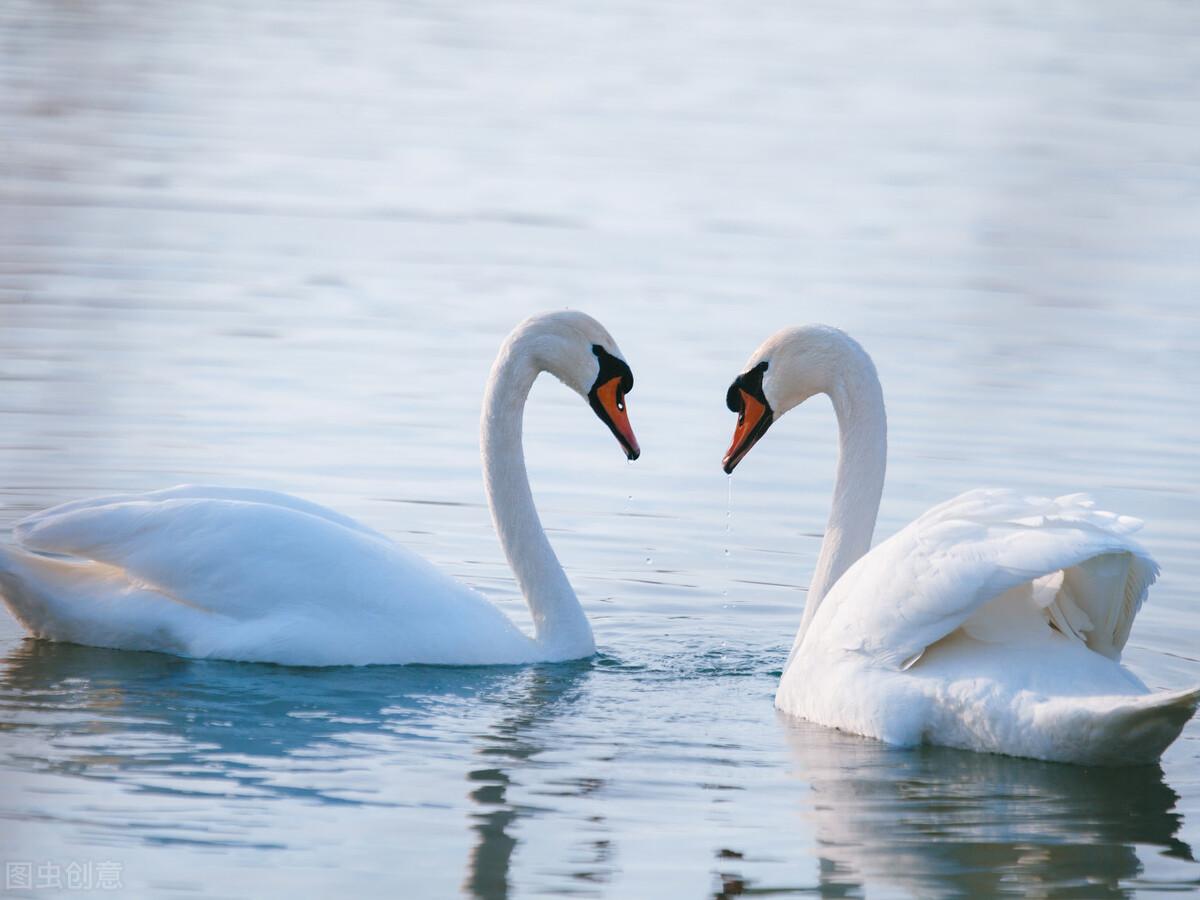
{"x": 277, "y": 245}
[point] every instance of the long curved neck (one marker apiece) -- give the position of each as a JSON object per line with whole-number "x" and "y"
{"x": 560, "y": 624}
{"x": 862, "y": 460}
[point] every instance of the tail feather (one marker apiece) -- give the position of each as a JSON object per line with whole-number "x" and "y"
{"x": 85, "y": 602}
{"x": 1138, "y": 730}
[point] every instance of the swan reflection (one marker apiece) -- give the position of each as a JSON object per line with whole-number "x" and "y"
{"x": 389, "y": 738}
{"x": 152, "y": 712}
{"x": 542, "y": 693}
{"x": 934, "y": 821}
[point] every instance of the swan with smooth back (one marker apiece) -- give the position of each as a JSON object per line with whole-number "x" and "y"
{"x": 259, "y": 576}
{"x": 994, "y": 622}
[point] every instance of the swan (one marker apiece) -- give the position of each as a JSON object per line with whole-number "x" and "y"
{"x": 994, "y": 622}
{"x": 259, "y": 576}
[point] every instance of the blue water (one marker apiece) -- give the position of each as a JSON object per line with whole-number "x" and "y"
{"x": 278, "y": 246}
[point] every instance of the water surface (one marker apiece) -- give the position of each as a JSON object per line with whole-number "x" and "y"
{"x": 278, "y": 246}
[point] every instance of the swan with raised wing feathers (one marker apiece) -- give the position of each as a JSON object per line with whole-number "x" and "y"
{"x": 994, "y": 622}
{"x": 231, "y": 573}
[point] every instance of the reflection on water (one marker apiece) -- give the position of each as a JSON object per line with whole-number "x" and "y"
{"x": 940, "y": 822}
{"x": 200, "y": 753}
{"x": 159, "y": 724}
{"x": 126, "y": 717}
{"x": 510, "y": 744}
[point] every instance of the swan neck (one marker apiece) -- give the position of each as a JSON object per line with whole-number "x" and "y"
{"x": 858, "y": 485}
{"x": 560, "y": 625}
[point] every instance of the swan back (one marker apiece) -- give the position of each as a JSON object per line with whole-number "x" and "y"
{"x": 979, "y": 561}
{"x": 196, "y": 492}
{"x": 245, "y": 575}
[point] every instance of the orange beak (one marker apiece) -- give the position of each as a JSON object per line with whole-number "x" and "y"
{"x": 753, "y": 421}
{"x": 609, "y": 404}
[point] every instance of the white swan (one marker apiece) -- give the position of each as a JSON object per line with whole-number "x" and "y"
{"x": 993, "y": 622}
{"x": 236, "y": 574}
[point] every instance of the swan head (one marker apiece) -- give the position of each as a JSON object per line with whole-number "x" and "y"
{"x": 579, "y": 352}
{"x": 791, "y": 365}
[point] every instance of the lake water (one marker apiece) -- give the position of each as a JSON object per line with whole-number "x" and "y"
{"x": 278, "y": 244}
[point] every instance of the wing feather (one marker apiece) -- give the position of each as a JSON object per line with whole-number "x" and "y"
{"x": 239, "y": 557}
{"x": 198, "y": 492}
{"x": 932, "y": 576}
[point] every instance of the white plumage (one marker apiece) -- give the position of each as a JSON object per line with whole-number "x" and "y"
{"x": 254, "y": 575}
{"x": 993, "y": 622}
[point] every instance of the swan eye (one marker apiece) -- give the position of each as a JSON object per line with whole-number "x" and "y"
{"x": 733, "y": 398}
{"x": 612, "y": 367}
{"x": 751, "y": 383}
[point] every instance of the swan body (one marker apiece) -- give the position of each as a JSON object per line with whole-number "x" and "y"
{"x": 994, "y": 622}
{"x": 246, "y": 575}
{"x": 250, "y": 575}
